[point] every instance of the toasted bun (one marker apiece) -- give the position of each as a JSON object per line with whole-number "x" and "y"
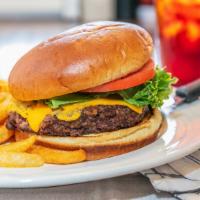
{"x": 80, "y": 58}
{"x": 98, "y": 146}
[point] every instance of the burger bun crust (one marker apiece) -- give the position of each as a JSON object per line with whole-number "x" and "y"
{"x": 80, "y": 58}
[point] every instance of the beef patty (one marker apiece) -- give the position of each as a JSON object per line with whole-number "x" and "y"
{"x": 93, "y": 119}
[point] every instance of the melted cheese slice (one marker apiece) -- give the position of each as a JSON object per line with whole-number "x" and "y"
{"x": 36, "y": 113}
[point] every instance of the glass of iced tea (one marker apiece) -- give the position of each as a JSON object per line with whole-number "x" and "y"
{"x": 179, "y": 30}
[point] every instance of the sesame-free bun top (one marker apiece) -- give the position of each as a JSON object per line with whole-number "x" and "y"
{"x": 80, "y": 58}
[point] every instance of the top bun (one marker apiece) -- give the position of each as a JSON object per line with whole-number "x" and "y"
{"x": 80, "y": 58}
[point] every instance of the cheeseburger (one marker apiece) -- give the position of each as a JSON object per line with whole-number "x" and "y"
{"x": 93, "y": 87}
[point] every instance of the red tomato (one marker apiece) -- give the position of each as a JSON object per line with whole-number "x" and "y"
{"x": 146, "y": 73}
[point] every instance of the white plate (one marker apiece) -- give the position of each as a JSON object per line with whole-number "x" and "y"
{"x": 181, "y": 138}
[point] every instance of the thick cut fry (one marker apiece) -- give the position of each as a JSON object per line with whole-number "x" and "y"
{"x": 3, "y": 86}
{"x": 54, "y": 156}
{"x": 20, "y": 146}
{"x": 5, "y": 134}
{"x": 13, "y": 159}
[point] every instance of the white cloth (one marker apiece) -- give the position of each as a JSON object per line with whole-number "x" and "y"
{"x": 180, "y": 178}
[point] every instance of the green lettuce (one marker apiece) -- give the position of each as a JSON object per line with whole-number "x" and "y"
{"x": 152, "y": 93}
{"x": 56, "y": 102}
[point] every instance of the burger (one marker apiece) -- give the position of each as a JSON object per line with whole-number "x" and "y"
{"x": 92, "y": 87}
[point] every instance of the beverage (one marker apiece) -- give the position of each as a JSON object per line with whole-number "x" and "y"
{"x": 179, "y": 29}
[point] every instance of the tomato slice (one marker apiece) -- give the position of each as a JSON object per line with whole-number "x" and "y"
{"x": 146, "y": 73}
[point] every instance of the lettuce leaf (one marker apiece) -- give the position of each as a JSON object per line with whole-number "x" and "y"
{"x": 57, "y": 102}
{"x": 152, "y": 93}
{"x": 67, "y": 99}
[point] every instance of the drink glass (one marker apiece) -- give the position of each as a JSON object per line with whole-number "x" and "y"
{"x": 179, "y": 31}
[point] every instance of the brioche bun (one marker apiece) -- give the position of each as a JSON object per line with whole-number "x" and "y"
{"x": 80, "y": 58}
{"x": 103, "y": 145}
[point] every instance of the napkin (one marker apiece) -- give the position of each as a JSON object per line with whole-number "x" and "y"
{"x": 180, "y": 178}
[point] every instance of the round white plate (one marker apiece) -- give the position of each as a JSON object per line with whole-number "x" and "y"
{"x": 181, "y": 138}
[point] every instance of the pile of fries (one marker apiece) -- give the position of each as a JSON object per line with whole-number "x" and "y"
{"x": 26, "y": 153}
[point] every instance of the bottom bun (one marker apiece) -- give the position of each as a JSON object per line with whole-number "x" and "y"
{"x": 107, "y": 144}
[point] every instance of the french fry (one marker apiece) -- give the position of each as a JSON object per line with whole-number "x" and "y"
{"x": 5, "y": 134}
{"x": 3, "y": 86}
{"x": 20, "y": 146}
{"x": 5, "y": 102}
{"x": 54, "y": 156}
{"x": 13, "y": 159}
{"x": 3, "y": 96}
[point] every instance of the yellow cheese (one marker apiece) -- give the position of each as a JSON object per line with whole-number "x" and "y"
{"x": 36, "y": 113}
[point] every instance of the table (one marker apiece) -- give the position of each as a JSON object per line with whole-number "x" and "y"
{"x": 133, "y": 186}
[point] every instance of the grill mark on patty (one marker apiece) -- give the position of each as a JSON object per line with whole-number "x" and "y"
{"x": 93, "y": 119}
